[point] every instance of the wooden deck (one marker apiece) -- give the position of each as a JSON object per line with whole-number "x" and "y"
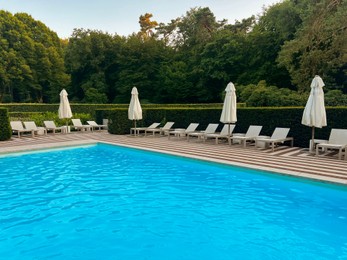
{"x": 285, "y": 160}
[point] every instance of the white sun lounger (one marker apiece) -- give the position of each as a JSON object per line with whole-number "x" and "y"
{"x": 337, "y": 141}
{"x": 279, "y": 135}
{"x": 32, "y": 126}
{"x": 17, "y": 127}
{"x": 223, "y": 134}
{"x": 163, "y": 130}
{"x": 77, "y": 124}
{"x": 95, "y": 125}
{"x": 252, "y": 132}
{"x": 210, "y": 129}
{"x": 180, "y": 132}
{"x": 50, "y": 126}
{"x": 137, "y": 130}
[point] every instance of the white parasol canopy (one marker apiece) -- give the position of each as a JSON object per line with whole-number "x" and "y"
{"x": 228, "y": 115}
{"x": 134, "y": 110}
{"x": 314, "y": 113}
{"x": 64, "y": 110}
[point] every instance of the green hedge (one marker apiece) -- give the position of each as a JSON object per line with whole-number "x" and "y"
{"x": 90, "y": 108}
{"x": 76, "y": 108}
{"x": 269, "y": 118}
{"x": 39, "y": 117}
{"x": 5, "y": 128}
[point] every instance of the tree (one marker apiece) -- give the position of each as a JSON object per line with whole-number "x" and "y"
{"x": 194, "y": 29}
{"x": 91, "y": 58}
{"x": 147, "y": 26}
{"x": 319, "y": 47}
{"x": 29, "y": 53}
{"x": 275, "y": 26}
{"x": 222, "y": 60}
{"x": 140, "y": 63}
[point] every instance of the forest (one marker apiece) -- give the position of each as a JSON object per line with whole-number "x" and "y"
{"x": 271, "y": 58}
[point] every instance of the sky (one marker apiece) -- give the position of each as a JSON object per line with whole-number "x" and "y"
{"x": 122, "y": 17}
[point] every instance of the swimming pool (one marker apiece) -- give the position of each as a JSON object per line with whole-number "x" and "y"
{"x": 110, "y": 202}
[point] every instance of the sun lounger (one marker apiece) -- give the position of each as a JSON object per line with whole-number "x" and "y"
{"x": 252, "y": 132}
{"x": 30, "y": 125}
{"x": 137, "y": 130}
{"x": 210, "y": 129}
{"x": 180, "y": 132}
{"x": 17, "y": 127}
{"x": 223, "y": 134}
{"x": 50, "y": 126}
{"x": 77, "y": 124}
{"x": 337, "y": 141}
{"x": 163, "y": 130}
{"x": 278, "y": 136}
{"x": 95, "y": 125}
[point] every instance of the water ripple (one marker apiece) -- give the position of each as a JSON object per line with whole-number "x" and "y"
{"x": 59, "y": 204}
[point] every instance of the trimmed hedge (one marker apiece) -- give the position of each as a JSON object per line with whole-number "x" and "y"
{"x": 5, "y": 128}
{"x": 90, "y": 108}
{"x": 269, "y": 118}
{"x": 39, "y": 117}
{"x": 184, "y": 114}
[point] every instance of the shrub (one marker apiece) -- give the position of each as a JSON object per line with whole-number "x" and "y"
{"x": 262, "y": 95}
{"x": 39, "y": 117}
{"x": 269, "y": 118}
{"x": 5, "y": 128}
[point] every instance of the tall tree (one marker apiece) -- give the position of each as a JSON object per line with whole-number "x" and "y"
{"x": 30, "y": 52}
{"x": 91, "y": 58}
{"x": 147, "y": 26}
{"x": 319, "y": 47}
{"x": 140, "y": 64}
{"x": 275, "y": 26}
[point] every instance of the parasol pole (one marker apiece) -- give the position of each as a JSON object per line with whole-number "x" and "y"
{"x": 312, "y": 145}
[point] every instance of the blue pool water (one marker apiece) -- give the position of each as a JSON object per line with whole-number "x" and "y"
{"x": 109, "y": 202}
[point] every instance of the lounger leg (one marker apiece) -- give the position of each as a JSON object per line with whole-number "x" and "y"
{"x": 340, "y": 152}
{"x": 273, "y": 146}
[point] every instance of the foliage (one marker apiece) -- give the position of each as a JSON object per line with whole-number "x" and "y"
{"x": 335, "y": 98}
{"x": 140, "y": 65}
{"x": 262, "y": 95}
{"x": 147, "y": 26}
{"x": 91, "y": 59}
{"x": 319, "y": 47}
{"x": 5, "y": 128}
{"x": 31, "y": 60}
{"x": 188, "y": 60}
{"x": 39, "y": 117}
